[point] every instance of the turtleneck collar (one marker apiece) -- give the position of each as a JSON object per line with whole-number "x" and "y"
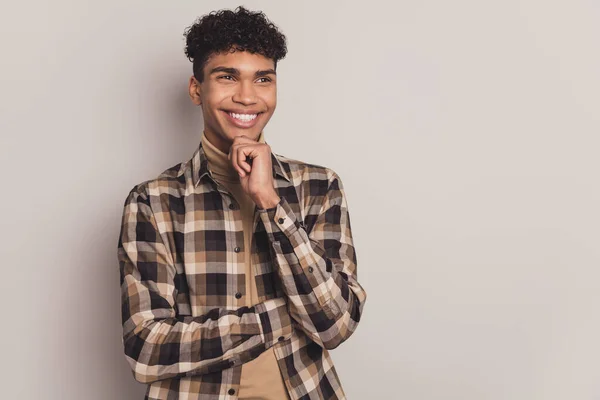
{"x": 218, "y": 162}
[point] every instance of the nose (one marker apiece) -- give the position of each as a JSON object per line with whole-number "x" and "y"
{"x": 246, "y": 94}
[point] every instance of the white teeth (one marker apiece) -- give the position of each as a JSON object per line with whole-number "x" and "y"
{"x": 243, "y": 117}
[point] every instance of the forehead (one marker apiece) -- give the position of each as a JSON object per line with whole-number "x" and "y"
{"x": 244, "y": 61}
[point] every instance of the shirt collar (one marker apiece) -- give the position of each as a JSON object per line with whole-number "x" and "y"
{"x": 199, "y": 165}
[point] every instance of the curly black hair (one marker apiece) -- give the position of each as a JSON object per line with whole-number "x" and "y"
{"x": 226, "y": 30}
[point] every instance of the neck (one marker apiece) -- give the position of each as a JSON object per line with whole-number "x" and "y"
{"x": 218, "y": 160}
{"x": 224, "y": 144}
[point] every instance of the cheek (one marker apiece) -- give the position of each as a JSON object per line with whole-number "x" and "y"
{"x": 269, "y": 96}
{"x": 271, "y": 102}
{"x": 212, "y": 106}
{"x": 211, "y": 113}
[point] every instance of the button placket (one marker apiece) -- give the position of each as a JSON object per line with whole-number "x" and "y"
{"x": 233, "y": 205}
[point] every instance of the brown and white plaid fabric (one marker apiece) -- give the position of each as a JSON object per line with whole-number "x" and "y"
{"x": 186, "y": 330}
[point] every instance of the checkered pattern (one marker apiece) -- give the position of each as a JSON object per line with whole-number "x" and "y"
{"x": 186, "y": 330}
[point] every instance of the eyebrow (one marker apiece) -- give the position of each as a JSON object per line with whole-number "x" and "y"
{"x": 236, "y": 72}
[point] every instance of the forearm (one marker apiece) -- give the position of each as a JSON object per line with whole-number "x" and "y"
{"x": 179, "y": 346}
{"x": 324, "y": 296}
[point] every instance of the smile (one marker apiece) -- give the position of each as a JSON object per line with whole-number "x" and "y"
{"x": 243, "y": 117}
{"x": 242, "y": 120}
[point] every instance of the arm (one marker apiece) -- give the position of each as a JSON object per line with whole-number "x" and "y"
{"x": 160, "y": 344}
{"x": 318, "y": 269}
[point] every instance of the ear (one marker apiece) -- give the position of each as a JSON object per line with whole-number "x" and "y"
{"x": 195, "y": 91}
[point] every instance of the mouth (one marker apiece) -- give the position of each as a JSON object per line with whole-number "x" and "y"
{"x": 246, "y": 120}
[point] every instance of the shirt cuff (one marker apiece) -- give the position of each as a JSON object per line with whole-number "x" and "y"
{"x": 280, "y": 219}
{"x": 275, "y": 321}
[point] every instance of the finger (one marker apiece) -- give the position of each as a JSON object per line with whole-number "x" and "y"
{"x": 233, "y": 159}
{"x": 238, "y": 159}
{"x": 242, "y": 155}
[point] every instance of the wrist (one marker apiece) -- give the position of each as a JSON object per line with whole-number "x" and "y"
{"x": 269, "y": 201}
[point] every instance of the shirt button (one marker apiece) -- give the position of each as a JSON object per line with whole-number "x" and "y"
{"x": 310, "y": 269}
{"x": 280, "y": 220}
{"x": 231, "y": 391}
{"x": 237, "y": 249}
{"x": 280, "y": 338}
{"x": 238, "y": 295}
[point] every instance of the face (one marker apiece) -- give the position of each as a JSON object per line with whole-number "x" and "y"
{"x": 238, "y": 96}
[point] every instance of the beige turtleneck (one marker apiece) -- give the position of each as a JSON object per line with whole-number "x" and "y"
{"x": 260, "y": 378}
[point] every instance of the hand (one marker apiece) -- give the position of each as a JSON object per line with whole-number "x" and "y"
{"x": 256, "y": 176}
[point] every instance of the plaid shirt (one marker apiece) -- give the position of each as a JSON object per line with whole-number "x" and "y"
{"x": 186, "y": 330}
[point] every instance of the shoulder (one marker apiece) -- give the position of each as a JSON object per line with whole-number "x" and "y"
{"x": 168, "y": 181}
{"x": 302, "y": 171}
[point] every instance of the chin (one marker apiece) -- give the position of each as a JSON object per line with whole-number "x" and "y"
{"x": 251, "y": 133}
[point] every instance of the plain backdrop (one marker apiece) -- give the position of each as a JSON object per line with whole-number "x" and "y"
{"x": 465, "y": 133}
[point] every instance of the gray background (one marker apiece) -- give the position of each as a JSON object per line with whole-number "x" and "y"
{"x": 465, "y": 133}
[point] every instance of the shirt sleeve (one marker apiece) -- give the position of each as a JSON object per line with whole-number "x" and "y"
{"x": 160, "y": 344}
{"x": 318, "y": 269}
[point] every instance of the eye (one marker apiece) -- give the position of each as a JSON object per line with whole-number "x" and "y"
{"x": 268, "y": 79}
{"x": 224, "y": 76}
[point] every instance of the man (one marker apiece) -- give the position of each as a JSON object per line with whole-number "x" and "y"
{"x": 237, "y": 267}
